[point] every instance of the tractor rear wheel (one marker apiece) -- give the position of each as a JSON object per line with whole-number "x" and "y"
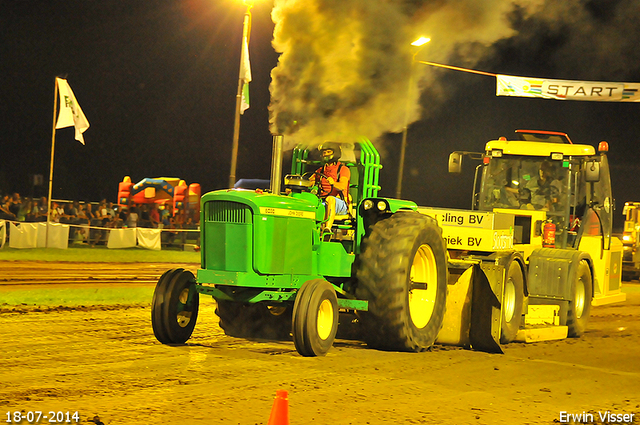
{"x": 315, "y": 318}
{"x": 580, "y": 303}
{"x": 174, "y": 309}
{"x": 512, "y": 303}
{"x": 402, "y": 272}
{"x": 254, "y": 320}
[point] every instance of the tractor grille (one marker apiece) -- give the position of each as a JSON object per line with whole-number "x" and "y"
{"x": 227, "y": 212}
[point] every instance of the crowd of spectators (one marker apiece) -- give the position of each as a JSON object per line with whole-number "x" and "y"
{"x": 13, "y": 207}
{"x": 90, "y": 222}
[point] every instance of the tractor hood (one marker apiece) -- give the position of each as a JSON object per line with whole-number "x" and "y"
{"x": 253, "y": 231}
{"x": 298, "y": 205}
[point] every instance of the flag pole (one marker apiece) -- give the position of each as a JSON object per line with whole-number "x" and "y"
{"x": 53, "y": 146}
{"x": 246, "y": 30}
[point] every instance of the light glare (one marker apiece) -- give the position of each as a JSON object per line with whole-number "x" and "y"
{"x": 421, "y": 41}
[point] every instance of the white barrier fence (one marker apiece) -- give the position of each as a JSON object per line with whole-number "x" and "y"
{"x": 35, "y": 235}
{"x": 3, "y": 233}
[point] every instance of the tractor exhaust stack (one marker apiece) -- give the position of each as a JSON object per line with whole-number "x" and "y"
{"x": 276, "y": 164}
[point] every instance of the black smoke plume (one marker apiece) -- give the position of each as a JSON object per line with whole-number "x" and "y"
{"x": 345, "y": 66}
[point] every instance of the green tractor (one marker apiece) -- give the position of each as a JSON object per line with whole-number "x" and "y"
{"x": 273, "y": 274}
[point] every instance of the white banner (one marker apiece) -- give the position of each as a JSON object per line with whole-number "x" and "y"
{"x": 3, "y": 233}
{"x": 58, "y": 236}
{"x": 148, "y": 238}
{"x": 128, "y": 238}
{"x": 34, "y": 235}
{"x": 122, "y": 238}
{"x": 23, "y": 235}
{"x": 508, "y": 85}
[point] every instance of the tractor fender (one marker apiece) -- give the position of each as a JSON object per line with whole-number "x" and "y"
{"x": 550, "y": 274}
{"x": 550, "y": 269}
{"x": 504, "y": 259}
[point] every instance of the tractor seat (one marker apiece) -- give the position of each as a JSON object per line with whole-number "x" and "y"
{"x": 344, "y": 221}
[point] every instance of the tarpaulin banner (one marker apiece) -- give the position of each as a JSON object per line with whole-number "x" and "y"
{"x": 595, "y": 91}
{"x": 23, "y": 235}
{"x": 148, "y": 238}
{"x": 134, "y": 236}
{"x": 122, "y": 238}
{"x": 34, "y": 235}
{"x": 3, "y": 233}
{"x": 58, "y": 236}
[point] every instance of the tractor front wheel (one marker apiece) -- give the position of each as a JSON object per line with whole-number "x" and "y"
{"x": 315, "y": 318}
{"x": 174, "y": 309}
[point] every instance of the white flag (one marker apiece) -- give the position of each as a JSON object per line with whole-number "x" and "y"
{"x": 70, "y": 112}
{"x": 245, "y": 75}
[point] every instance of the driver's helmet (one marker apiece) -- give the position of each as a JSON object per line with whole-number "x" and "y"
{"x": 335, "y": 147}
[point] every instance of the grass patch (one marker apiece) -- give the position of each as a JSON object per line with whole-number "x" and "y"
{"x": 99, "y": 254}
{"x": 73, "y": 297}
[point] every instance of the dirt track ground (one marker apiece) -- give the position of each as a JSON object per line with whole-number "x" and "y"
{"x": 104, "y": 362}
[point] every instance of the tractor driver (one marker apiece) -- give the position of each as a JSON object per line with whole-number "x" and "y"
{"x": 333, "y": 183}
{"x": 546, "y": 189}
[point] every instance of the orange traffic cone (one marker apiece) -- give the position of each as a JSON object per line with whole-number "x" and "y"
{"x": 280, "y": 410}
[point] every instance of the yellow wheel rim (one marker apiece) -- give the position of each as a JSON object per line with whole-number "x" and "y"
{"x": 184, "y": 296}
{"x": 424, "y": 270}
{"x": 324, "y": 325}
{"x": 580, "y": 298}
{"x": 184, "y": 317}
{"x": 509, "y": 300}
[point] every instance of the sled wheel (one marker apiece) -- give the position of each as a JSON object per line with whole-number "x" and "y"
{"x": 512, "y": 303}
{"x": 254, "y": 320}
{"x": 315, "y": 318}
{"x": 580, "y": 303}
{"x": 175, "y": 307}
{"x": 157, "y": 322}
{"x": 402, "y": 272}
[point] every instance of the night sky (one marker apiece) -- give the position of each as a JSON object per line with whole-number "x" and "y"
{"x": 157, "y": 81}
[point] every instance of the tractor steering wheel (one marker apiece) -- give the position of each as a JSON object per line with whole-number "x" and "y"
{"x": 319, "y": 174}
{"x": 319, "y": 185}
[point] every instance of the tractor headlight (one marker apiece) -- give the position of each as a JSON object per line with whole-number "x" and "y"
{"x": 382, "y": 205}
{"x": 368, "y": 204}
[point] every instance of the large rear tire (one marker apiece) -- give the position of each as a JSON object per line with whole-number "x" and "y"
{"x": 512, "y": 303}
{"x": 580, "y": 303}
{"x": 174, "y": 309}
{"x": 254, "y": 320}
{"x": 402, "y": 272}
{"x": 315, "y": 318}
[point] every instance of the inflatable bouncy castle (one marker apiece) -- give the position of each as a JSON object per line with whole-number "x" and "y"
{"x": 161, "y": 190}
